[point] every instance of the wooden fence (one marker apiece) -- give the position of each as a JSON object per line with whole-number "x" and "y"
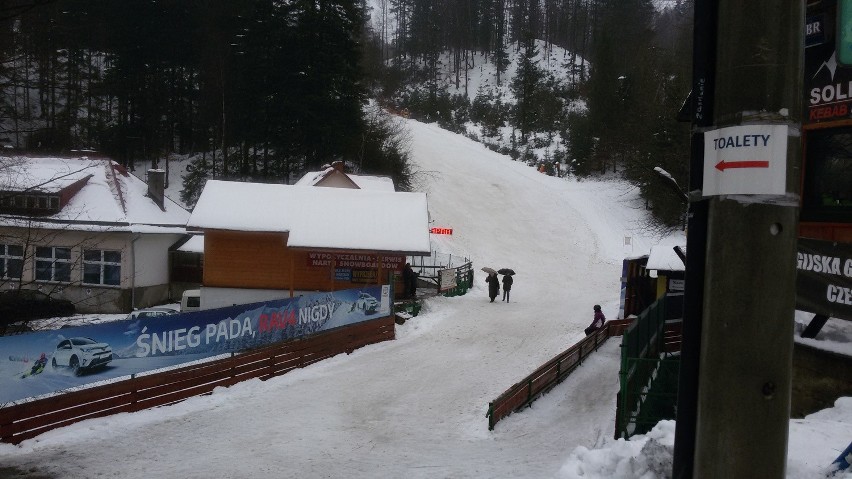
{"x": 523, "y": 393}
{"x": 26, "y": 420}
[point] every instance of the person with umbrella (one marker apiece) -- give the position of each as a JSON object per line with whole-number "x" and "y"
{"x": 507, "y": 283}
{"x": 493, "y": 283}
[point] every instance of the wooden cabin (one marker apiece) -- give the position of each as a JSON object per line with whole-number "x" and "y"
{"x": 669, "y": 269}
{"x": 267, "y": 241}
{"x": 646, "y": 278}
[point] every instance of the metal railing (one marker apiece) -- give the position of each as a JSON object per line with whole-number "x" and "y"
{"x": 428, "y": 269}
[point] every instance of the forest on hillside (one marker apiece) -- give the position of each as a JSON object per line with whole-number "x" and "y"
{"x": 264, "y": 90}
{"x": 625, "y": 74}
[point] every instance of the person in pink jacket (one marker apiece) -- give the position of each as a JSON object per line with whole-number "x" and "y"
{"x": 597, "y": 322}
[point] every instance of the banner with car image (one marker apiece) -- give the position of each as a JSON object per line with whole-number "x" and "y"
{"x": 45, "y": 362}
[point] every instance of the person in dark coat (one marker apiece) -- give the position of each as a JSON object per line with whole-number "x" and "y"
{"x": 507, "y": 286}
{"x": 597, "y": 322}
{"x": 493, "y": 285}
{"x": 409, "y": 281}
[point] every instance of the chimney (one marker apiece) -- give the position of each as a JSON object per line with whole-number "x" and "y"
{"x": 157, "y": 187}
{"x": 339, "y": 166}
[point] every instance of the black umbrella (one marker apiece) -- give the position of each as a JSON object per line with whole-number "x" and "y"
{"x": 507, "y": 271}
{"x": 488, "y": 270}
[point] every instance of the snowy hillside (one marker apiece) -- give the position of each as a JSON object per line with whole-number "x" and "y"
{"x": 415, "y": 407}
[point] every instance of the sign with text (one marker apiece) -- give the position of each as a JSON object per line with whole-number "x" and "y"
{"x": 355, "y": 260}
{"x": 441, "y": 231}
{"x": 814, "y": 30}
{"x": 44, "y": 362}
{"x": 447, "y": 279}
{"x": 824, "y": 278}
{"x": 364, "y": 276}
{"x": 827, "y": 85}
{"x": 745, "y": 160}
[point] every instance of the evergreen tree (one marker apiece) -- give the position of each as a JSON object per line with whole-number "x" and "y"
{"x": 526, "y": 87}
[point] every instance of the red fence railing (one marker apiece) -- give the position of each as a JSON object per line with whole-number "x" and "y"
{"x": 524, "y": 392}
{"x": 29, "y": 419}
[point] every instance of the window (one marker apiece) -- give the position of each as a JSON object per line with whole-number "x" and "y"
{"x": 827, "y": 189}
{"x": 53, "y": 264}
{"x": 102, "y": 267}
{"x": 11, "y": 261}
{"x": 844, "y": 34}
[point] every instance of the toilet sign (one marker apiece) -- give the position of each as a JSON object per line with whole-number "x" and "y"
{"x": 745, "y": 160}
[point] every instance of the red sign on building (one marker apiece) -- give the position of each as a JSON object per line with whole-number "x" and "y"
{"x": 441, "y": 231}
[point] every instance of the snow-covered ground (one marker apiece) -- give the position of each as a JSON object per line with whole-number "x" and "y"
{"x": 415, "y": 407}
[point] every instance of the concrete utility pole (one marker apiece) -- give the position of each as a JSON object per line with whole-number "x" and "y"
{"x": 751, "y": 177}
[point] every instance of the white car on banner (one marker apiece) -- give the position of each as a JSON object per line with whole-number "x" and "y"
{"x": 367, "y": 303}
{"x": 81, "y": 354}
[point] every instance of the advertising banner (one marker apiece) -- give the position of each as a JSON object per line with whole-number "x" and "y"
{"x": 828, "y": 86}
{"x": 43, "y": 362}
{"x": 824, "y": 278}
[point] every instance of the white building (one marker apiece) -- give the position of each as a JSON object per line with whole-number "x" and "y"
{"x": 87, "y": 230}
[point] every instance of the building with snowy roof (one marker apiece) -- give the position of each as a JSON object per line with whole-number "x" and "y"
{"x": 267, "y": 241}
{"x": 652, "y": 276}
{"x": 335, "y": 176}
{"x": 87, "y": 230}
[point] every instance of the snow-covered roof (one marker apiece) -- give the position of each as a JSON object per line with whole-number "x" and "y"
{"x": 110, "y": 198}
{"x": 664, "y": 258}
{"x": 194, "y": 245}
{"x": 321, "y": 218}
{"x": 365, "y": 182}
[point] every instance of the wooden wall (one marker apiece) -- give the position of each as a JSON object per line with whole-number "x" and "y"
{"x": 248, "y": 260}
{"x": 263, "y": 261}
{"x": 826, "y": 231}
{"x": 819, "y": 378}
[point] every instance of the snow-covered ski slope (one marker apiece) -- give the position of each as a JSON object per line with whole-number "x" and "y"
{"x": 415, "y": 407}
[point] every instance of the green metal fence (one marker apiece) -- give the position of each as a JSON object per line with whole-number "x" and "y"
{"x": 648, "y": 375}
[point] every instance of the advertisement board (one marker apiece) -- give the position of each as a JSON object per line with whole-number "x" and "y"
{"x": 44, "y": 362}
{"x": 824, "y": 278}
{"x": 355, "y": 261}
{"x": 828, "y": 86}
{"x": 447, "y": 279}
